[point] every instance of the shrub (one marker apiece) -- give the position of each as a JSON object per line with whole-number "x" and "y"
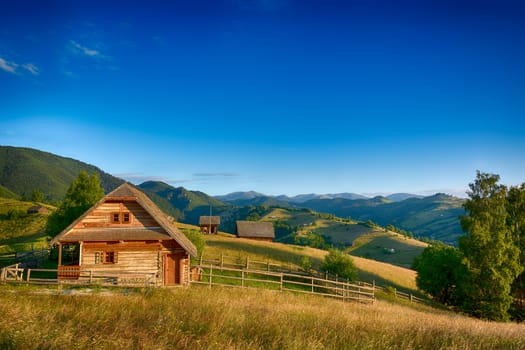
{"x": 339, "y": 263}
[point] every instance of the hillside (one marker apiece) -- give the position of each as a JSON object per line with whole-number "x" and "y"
{"x": 23, "y": 170}
{"x": 357, "y": 238}
{"x": 435, "y": 217}
{"x": 20, "y": 231}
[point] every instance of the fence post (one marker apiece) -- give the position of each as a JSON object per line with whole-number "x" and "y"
{"x": 90, "y": 276}
{"x": 312, "y": 279}
{"x": 222, "y": 260}
{"x": 395, "y": 293}
{"x": 281, "y": 287}
{"x": 268, "y": 265}
{"x": 411, "y": 298}
{"x": 242, "y": 279}
{"x": 211, "y": 274}
{"x": 247, "y": 263}
{"x": 326, "y": 275}
{"x": 27, "y": 277}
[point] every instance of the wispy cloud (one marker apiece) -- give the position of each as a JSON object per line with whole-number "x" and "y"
{"x": 215, "y": 174}
{"x": 15, "y": 68}
{"x": 138, "y": 178}
{"x": 86, "y": 51}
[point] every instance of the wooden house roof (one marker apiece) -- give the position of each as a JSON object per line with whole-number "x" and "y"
{"x": 206, "y": 220}
{"x": 127, "y": 191}
{"x": 255, "y": 229}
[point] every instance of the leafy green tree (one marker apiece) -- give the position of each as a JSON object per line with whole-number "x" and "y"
{"x": 83, "y": 193}
{"x": 37, "y": 196}
{"x": 516, "y": 224}
{"x": 340, "y": 264}
{"x": 491, "y": 256}
{"x": 439, "y": 273}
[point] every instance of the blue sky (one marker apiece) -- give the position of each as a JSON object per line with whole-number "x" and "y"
{"x": 273, "y": 96}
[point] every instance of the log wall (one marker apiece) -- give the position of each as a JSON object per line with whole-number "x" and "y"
{"x": 101, "y": 216}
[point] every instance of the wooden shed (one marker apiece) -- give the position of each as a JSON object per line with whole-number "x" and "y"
{"x": 258, "y": 230}
{"x": 37, "y": 209}
{"x": 209, "y": 224}
{"x": 125, "y": 234}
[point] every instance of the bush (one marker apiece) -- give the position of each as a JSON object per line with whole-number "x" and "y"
{"x": 340, "y": 264}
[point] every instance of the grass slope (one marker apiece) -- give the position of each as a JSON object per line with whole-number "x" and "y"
{"x": 389, "y": 247}
{"x": 286, "y": 254}
{"x": 228, "y": 318}
{"x": 21, "y": 231}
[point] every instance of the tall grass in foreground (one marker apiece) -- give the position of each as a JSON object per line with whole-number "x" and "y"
{"x": 225, "y": 318}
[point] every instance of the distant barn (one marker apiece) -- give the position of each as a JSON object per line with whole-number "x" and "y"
{"x": 210, "y": 224}
{"x": 37, "y": 209}
{"x": 262, "y": 231}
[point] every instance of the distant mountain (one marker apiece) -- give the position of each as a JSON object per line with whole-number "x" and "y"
{"x": 23, "y": 170}
{"x": 182, "y": 204}
{"x": 188, "y": 206}
{"x": 301, "y": 198}
{"x": 235, "y": 196}
{"x": 398, "y": 197}
{"x": 435, "y": 217}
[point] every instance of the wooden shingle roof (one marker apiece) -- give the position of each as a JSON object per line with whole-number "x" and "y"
{"x": 127, "y": 191}
{"x": 255, "y": 229}
{"x": 206, "y": 220}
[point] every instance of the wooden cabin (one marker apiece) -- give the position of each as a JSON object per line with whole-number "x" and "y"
{"x": 125, "y": 236}
{"x": 210, "y": 224}
{"x": 258, "y": 230}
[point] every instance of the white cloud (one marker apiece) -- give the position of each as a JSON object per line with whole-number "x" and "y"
{"x": 31, "y": 68}
{"x": 14, "y": 68}
{"x": 8, "y": 66}
{"x": 85, "y": 50}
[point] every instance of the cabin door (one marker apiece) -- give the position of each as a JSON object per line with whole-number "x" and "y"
{"x": 171, "y": 270}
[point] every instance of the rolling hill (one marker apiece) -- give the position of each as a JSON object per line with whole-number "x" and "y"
{"x": 23, "y": 170}
{"x": 435, "y": 217}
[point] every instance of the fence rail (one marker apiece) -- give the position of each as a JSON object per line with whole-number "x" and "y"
{"x": 74, "y": 276}
{"x": 244, "y": 278}
{"x": 245, "y": 263}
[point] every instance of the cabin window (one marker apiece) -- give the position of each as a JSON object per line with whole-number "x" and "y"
{"x": 105, "y": 257}
{"x": 110, "y": 257}
{"x": 121, "y": 218}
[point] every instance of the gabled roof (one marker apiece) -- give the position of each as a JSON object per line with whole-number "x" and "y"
{"x": 129, "y": 192}
{"x": 255, "y": 229}
{"x": 206, "y": 220}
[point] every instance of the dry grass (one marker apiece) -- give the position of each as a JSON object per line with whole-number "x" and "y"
{"x": 201, "y": 318}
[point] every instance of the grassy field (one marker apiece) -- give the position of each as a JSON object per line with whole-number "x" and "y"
{"x": 389, "y": 247}
{"x": 227, "y": 318}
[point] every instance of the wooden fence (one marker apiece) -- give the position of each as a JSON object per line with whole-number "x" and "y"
{"x": 75, "y": 276}
{"x": 245, "y": 278}
{"x": 31, "y": 258}
{"x": 222, "y": 261}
